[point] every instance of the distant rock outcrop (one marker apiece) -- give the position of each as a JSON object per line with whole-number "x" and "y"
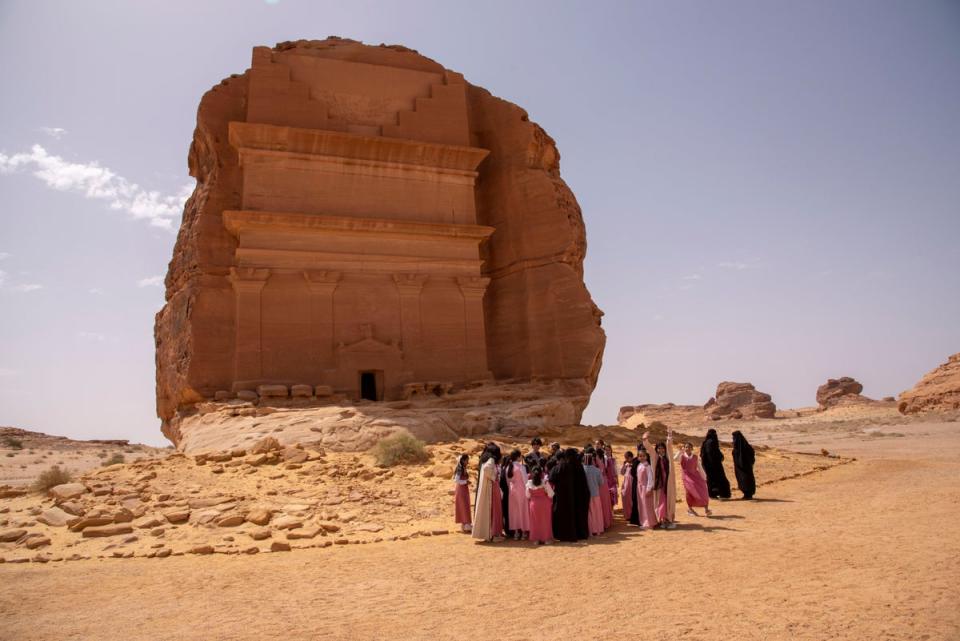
{"x": 739, "y": 400}
{"x": 938, "y": 390}
{"x": 667, "y": 413}
{"x": 840, "y": 391}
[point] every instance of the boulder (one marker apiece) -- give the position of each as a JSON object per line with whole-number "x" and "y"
{"x": 67, "y": 491}
{"x": 272, "y": 391}
{"x": 937, "y": 391}
{"x": 259, "y": 534}
{"x": 279, "y": 546}
{"x": 323, "y": 391}
{"x": 840, "y": 391}
{"x": 739, "y": 400}
{"x": 266, "y": 444}
{"x": 81, "y": 523}
{"x": 231, "y": 520}
{"x": 248, "y": 395}
{"x": 177, "y": 516}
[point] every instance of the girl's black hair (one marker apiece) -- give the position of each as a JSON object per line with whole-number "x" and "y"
{"x": 514, "y": 456}
{"x": 536, "y": 475}
{"x": 462, "y": 465}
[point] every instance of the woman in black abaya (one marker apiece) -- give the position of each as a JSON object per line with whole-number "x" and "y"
{"x": 564, "y": 509}
{"x": 711, "y": 458}
{"x": 634, "y": 517}
{"x": 581, "y": 494}
{"x": 743, "y": 459}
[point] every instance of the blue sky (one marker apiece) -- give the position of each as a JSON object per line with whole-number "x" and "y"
{"x": 771, "y": 189}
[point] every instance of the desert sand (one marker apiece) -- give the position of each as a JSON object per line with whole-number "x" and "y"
{"x": 864, "y": 549}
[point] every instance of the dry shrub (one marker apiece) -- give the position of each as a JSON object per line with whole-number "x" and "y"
{"x": 51, "y": 478}
{"x": 400, "y": 449}
{"x": 116, "y": 458}
{"x": 13, "y": 443}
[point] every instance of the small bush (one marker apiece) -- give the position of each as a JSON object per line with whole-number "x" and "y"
{"x": 101, "y": 455}
{"x": 400, "y": 449}
{"x": 116, "y": 458}
{"x": 10, "y": 454}
{"x": 13, "y": 443}
{"x": 51, "y": 478}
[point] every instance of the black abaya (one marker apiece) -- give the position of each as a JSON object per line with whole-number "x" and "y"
{"x": 581, "y": 494}
{"x": 634, "y": 516}
{"x": 743, "y": 459}
{"x": 712, "y": 460}
{"x": 564, "y": 519}
{"x": 505, "y": 501}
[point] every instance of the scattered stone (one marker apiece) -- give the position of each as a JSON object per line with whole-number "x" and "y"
{"x": 259, "y": 516}
{"x": 267, "y": 444}
{"x": 164, "y": 553}
{"x": 36, "y": 541}
{"x": 147, "y": 523}
{"x": 302, "y": 533}
{"x": 107, "y": 530}
{"x": 279, "y": 546}
{"x": 231, "y": 520}
{"x": 201, "y": 549}
{"x": 329, "y": 527}
{"x": 9, "y": 536}
{"x": 287, "y": 523}
{"x": 80, "y": 523}
{"x": 253, "y": 549}
{"x": 54, "y": 517}
{"x": 123, "y": 516}
{"x": 248, "y": 395}
{"x": 177, "y": 516}
{"x": 259, "y": 534}
{"x": 73, "y": 507}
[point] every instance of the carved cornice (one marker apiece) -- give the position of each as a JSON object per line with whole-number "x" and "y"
{"x": 321, "y": 280}
{"x": 472, "y": 285}
{"x": 408, "y": 283}
{"x": 237, "y": 221}
{"x": 250, "y": 279}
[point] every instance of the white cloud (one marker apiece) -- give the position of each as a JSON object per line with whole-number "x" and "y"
{"x": 95, "y": 291}
{"x": 6, "y": 371}
{"x": 27, "y": 287}
{"x": 96, "y": 182}
{"x": 150, "y": 281}
{"x": 733, "y": 265}
{"x": 691, "y": 277}
{"x": 4, "y": 255}
{"x": 54, "y": 132}
{"x": 96, "y": 337}
{"x": 3, "y": 277}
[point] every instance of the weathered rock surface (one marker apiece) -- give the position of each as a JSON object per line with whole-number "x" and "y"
{"x": 739, "y": 400}
{"x": 937, "y": 391}
{"x": 840, "y": 391}
{"x": 348, "y": 148}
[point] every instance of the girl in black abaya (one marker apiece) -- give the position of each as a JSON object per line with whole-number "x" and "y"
{"x": 505, "y": 494}
{"x": 711, "y": 458}
{"x": 743, "y": 459}
{"x": 634, "y": 517}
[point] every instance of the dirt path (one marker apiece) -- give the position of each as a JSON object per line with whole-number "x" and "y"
{"x": 867, "y": 550}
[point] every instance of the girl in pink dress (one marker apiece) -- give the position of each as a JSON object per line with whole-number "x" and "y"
{"x": 606, "y": 504}
{"x": 519, "y": 511}
{"x": 461, "y": 501}
{"x": 540, "y": 500}
{"x": 647, "y": 516}
{"x": 611, "y": 469}
{"x": 626, "y": 489}
{"x": 596, "y": 485}
{"x": 694, "y": 481}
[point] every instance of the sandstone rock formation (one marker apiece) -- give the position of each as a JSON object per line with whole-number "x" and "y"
{"x": 666, "y": 413}
{"x": 840, "y": 391}
{"x": 938, "y": 390}
{"x": 367, "y": 225}
{"x": 739, "y": 400}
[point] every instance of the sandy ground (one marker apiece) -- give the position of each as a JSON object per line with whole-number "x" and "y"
{"x": 865, "y": 550}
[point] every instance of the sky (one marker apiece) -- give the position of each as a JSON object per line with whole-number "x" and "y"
{"x": 771, "y": 189}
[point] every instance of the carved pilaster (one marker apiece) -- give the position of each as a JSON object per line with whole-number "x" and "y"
{"x": 248, "y": 283}
{"x": 410, "y": 286}
{"x": 322, "y": 284}
{"x": 475, "y": 338}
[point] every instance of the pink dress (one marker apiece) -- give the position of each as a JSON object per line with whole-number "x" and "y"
{"x": 462, "y": 503}
{"x": 541, "y": 514}
{"x": 595, "y": 515}
{"x": 626, "y": 496}
{"x": 519, "y": 512}
{"x": 496, "y": 521}
{"x": 693, "y": 482}
{"x": 612, "y": 480}
{"x": 647, "y": 516}
{"x": 607, "y": 506}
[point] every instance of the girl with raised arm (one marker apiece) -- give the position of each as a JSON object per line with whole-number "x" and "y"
{"x": 664, "y": 480}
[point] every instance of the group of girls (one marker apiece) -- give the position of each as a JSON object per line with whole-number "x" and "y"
{"x": 569, "y": 495}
